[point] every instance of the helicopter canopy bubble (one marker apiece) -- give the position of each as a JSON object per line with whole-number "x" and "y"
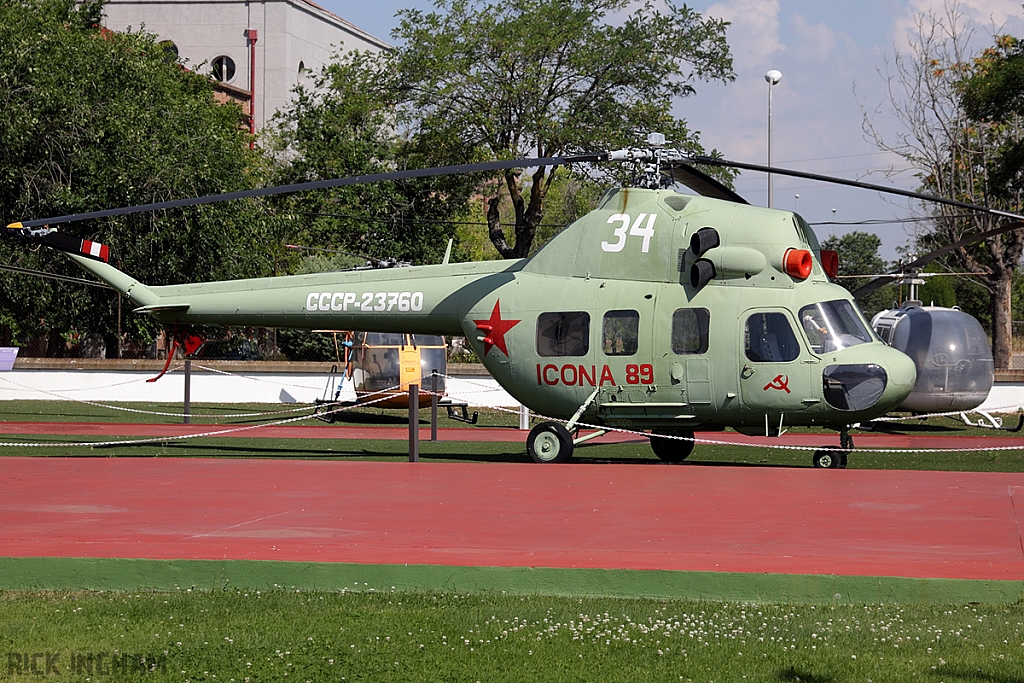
{"x": 954, "y": 362}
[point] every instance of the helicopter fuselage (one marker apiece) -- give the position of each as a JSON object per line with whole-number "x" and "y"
{"x": 608, "y": 315}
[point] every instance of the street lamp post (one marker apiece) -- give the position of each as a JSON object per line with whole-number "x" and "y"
{"x": 773, "y": 77}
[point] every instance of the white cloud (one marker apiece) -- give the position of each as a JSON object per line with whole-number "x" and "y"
{"x": 983, "y": 12}
{"x": 984, "y": 16}
{"x": 818, "y": 41}
{"x": 754, "y": 32}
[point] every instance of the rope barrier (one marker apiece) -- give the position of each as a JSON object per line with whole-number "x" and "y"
{"x": 219, "y": 432}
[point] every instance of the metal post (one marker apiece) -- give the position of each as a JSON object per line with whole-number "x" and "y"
{"x": 414, "y": 423}
{"x": 433, "y": 405}
{"x": 188, "y": 390}
{"x": 524, "y": 417}
{"x": 252, "y": 34}
{"x": 773, "y": 77}
{"x": 771, "y": 193}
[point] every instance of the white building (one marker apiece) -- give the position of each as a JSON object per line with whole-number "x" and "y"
{"x": 265, "y": 46}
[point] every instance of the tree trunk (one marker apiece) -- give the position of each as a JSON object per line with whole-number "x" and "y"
{"x": 494, "y": 229}
{"x": 1002, "y": 321}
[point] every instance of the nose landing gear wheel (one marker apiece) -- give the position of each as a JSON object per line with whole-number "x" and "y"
{"x": 549, "y": 442}
{"x": 833, "y": 460}
{"x": 672, "y": 450}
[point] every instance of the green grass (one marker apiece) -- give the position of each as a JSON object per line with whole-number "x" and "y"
{"x": 399, "y": 636}
{"x": 233, "y": 415}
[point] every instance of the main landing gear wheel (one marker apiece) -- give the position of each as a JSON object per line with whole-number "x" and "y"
{"x": 833, "y": 460}
{"x": 549, "y": 442}
{"x": 672, "y": 450}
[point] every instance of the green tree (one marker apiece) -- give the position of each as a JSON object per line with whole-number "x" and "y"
{"x": 858, "y": 255}
{"x": 939, "y": 90}
{"x": 548, "y": 77}
{"x": 343, "y": 125}
{"x": 92, "y": 119}
{"x": 994, "y": 95}
{"x": 570, "y": 197}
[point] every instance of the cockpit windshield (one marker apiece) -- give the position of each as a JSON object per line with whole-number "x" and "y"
{"x": 833, "y": 325}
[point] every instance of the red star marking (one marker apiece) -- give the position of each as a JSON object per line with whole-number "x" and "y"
{"x": 495, "y": 328}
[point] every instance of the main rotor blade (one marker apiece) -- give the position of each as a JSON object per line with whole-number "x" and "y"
{"x": 927, "y": 258}
{"x": 712, "y": 161}
{"x": 931, "y": 256}
{"x": 315, "y": 185}
{"x": 703, "y": 184}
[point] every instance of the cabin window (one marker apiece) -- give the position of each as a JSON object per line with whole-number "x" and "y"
{"x": 384, "y": 339}
{"x": 833, "y": 325}
{"x": 769, "y": 338}
{"x": 563, "y": 334}
{"x": 620, "y": 333}
{"x": 690, "y": 330}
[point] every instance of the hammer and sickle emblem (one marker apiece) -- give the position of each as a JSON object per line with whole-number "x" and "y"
{"x": 780, "y": 383}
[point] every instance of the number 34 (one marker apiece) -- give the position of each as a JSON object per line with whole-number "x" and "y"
{"x": 638, "y": 229}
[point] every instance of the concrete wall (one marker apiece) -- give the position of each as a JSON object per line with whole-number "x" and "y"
{"x": 290, "y": 31}
{"x": 225, "y": 382}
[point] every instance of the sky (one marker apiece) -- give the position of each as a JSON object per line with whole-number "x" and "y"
{"x": 834, "y": 56}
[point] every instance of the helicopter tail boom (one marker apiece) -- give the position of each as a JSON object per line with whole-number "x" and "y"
{"x": 120, "y": 281}
{"x": 418, "y": 300}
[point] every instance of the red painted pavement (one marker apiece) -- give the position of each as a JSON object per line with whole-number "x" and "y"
{"x": 734, "y": 519}
{"x": 114, "y": 430}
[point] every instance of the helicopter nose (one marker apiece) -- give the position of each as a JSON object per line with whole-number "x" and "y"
{"x": 878, "y": 378}
{"x": 902, "y": 376}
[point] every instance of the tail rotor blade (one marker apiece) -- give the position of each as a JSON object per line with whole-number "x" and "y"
{"x": 61, "y": 242}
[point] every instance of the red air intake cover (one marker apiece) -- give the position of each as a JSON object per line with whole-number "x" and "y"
{"x": 798, "y": 263}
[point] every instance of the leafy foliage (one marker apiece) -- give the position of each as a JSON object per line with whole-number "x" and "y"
{"x": 994, "y": 95}
{"x": 306, "y": 345}
{"x": 858, "y": 255}
{"x": 94, "y": 119}
{"x": 548, "y": 78}
{"x": 570, "y": 197}
{"x": 343, "y": 125}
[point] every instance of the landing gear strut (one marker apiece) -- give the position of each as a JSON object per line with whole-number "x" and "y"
{"x": 832, "y": 458}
